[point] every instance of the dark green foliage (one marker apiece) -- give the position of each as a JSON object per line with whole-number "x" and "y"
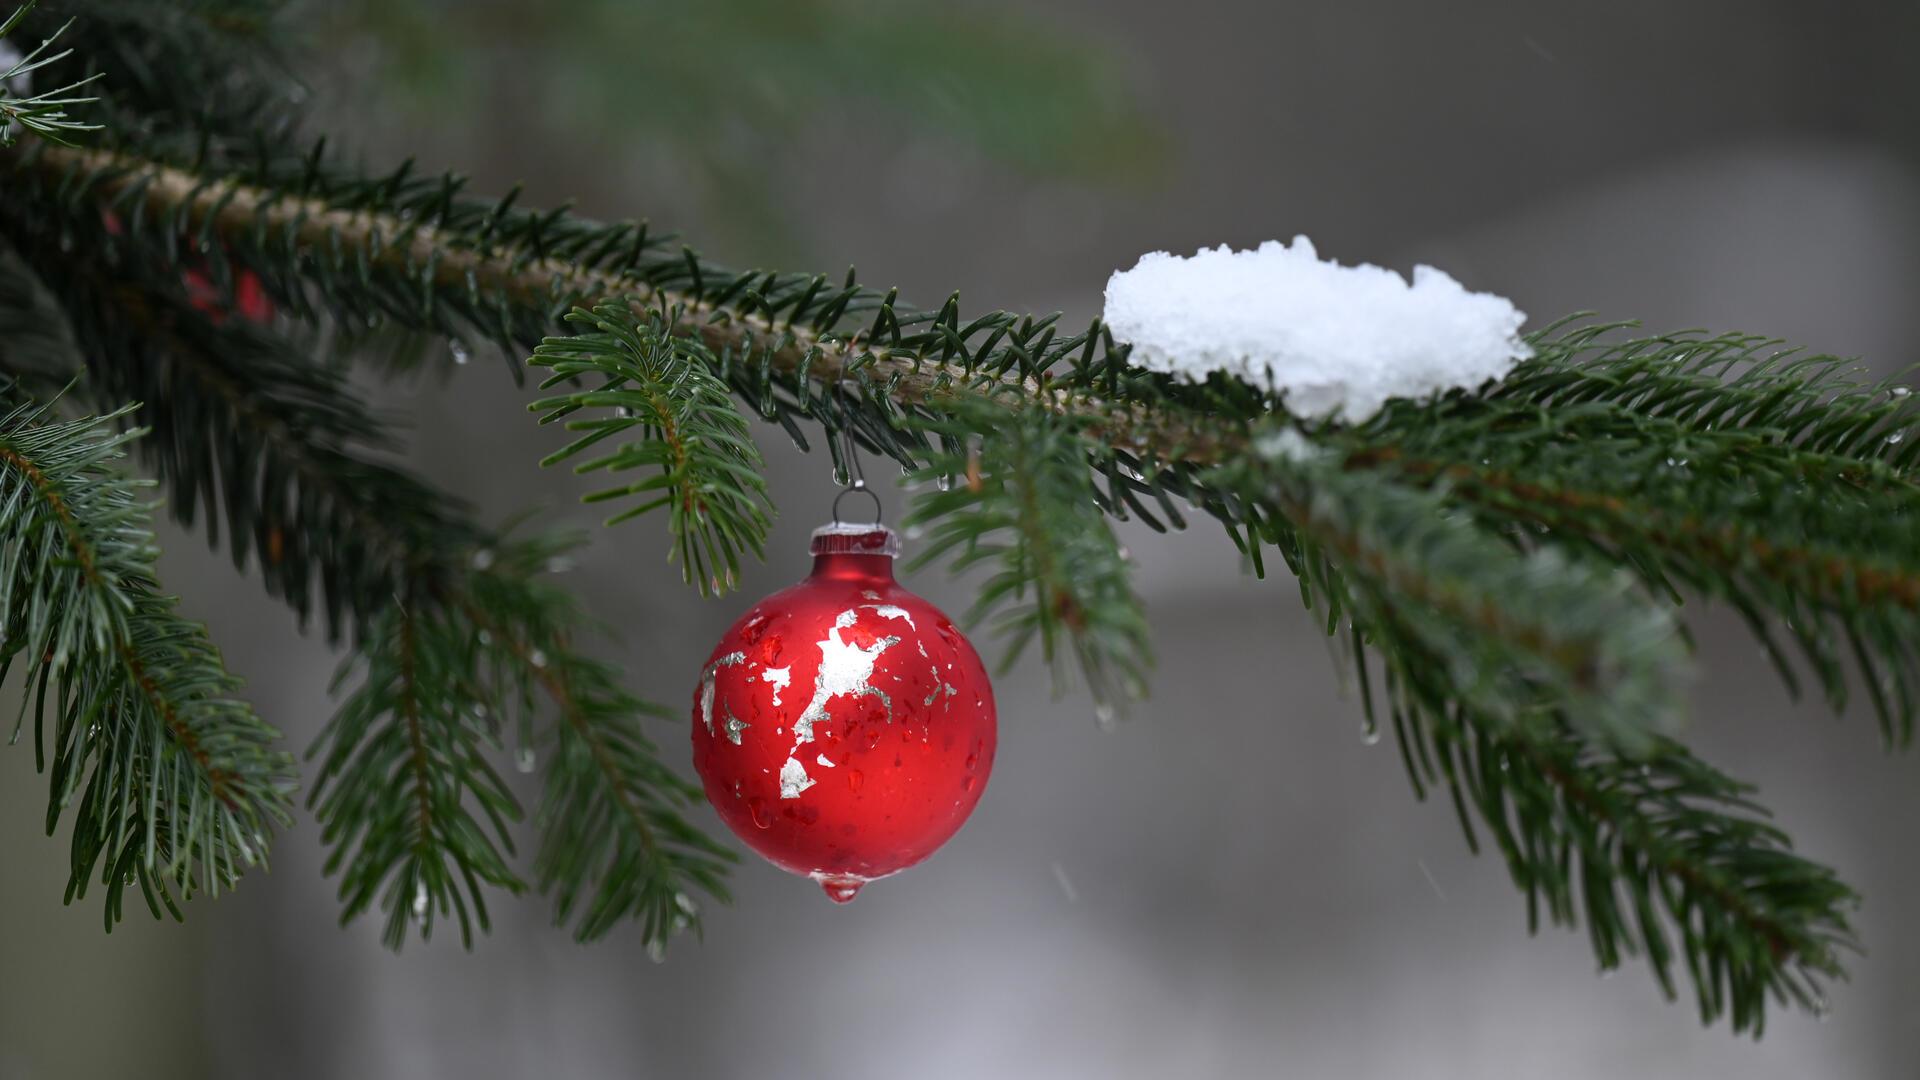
{"x": 170, "y": 780}
{"x": 408, "y": 799}
{"x": 614, "y": 842}
{"x": 1510, "y": 629}
{"x": 45, "y": 113}
{"x": 414, "y": 808}
{"x": 245, "y": 425}
{"x": 775, "y": 75}
{"x": 1021, "y": 500}
{"x": 1770, "y": 481}
{"x": 661, "y": 391}
{"x": 1509, "y": 561}
{"x": 1532, "y": 714}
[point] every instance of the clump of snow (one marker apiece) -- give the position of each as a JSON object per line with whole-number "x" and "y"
{"x": 1337, "y": 341}
{"x": 1287, "y": 444}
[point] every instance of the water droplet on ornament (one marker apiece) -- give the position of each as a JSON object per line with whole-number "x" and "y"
{"x": 458, "y": 350}
{"x": 525, "y": 759}
{"x": 762, "y": 817}
{"x": 1105, "y": 716}
{"x": 840, "y": 890}
{"x": 855, "y": 778}
{"x": 966, "y": 782}
{"x": 483, "y": 558}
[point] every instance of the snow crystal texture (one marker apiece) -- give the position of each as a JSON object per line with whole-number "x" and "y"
{"x": 1337, "y": 341}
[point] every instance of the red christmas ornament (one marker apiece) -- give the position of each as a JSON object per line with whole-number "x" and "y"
{"x": 844, "y": 729}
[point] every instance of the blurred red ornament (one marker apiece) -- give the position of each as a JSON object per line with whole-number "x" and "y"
{"x": 250, "y": 299}
{"x": 843, "y": 727}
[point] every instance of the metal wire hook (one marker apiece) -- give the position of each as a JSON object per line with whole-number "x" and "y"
{"x": 879, "y": 510}
{"x": 850, "y": 455}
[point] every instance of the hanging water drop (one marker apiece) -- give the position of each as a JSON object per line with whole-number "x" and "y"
{"x": 525, "y": 759}
{"x": 559, "y": 564}
{"x": 458, "y": 350}
{"x": 420, "y": 901}
{"x": 483, "y": 558}
{"x": 1895, "y": 437}
{"x": 1105, "y": 716}
{"x": 657, "y": 951}
{"x": 839, "y": 888}
{"x": 537, "y": 658}
{"x": 840, "y": 476}
{"x": 486, "y": 637}
{"x": 1901, "y": 391}
{"x": 1369, "y": 732}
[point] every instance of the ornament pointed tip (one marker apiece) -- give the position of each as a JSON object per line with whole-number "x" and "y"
{"x": 841, "y": 889}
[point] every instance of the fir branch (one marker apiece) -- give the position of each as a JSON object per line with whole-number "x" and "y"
{"x": 445, "y": 675}
{"x": 278, "y": 439}
{"x": 37, "y": 350}
{"x": 1788, "y": 497}
{"x": 164, "y": 56}
{"x": 1533, "y": 716}
{"x": 1584, "y": 639}
{"x": 1027, "y": 504}
{"x": 44, "y": 114}
{"x": 615, "y": 841}
{"x": 173, "y": 783}
{"x": 406, "y": 783}
{"x": 1643, "y": 850}
{"x": 244, "y": 422}
{"x": 661, "y": 390}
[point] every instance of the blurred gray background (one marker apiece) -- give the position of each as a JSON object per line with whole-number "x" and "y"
{"x": 1231, "y": 883}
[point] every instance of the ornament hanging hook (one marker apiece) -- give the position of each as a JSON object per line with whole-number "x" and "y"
{"x": 850, "y": 455}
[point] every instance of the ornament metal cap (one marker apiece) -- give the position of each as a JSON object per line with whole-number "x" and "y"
{"x": 854, "y": 538}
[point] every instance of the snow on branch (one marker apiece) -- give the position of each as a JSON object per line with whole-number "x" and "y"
{"x": 1336, "y": 341}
